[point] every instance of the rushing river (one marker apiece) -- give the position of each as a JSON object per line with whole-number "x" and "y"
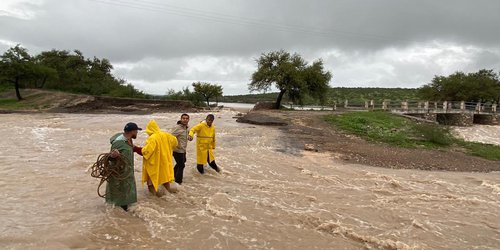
{"x": 268, "y": 196}
{"x": 479, "y": 133}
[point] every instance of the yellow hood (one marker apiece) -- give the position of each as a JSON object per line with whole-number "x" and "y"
{"x": 152, "y": 128}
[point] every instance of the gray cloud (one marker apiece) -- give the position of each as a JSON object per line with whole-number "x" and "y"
{"x": 148, "y": 69}
{"x": 159, "y": 44}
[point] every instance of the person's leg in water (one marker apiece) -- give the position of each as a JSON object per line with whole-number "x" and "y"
{"x": 169, "y": 188}
{"x": 180, "y": 164}
{"x": 200, "y": 168}
{"x": 152, "y": 190}
{"x": 213, "y": 164}
{"x": 151, "y": 187}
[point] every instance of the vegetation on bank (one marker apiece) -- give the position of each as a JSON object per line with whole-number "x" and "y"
{"x": 202, "y": 94}
{"x": 482, "y": 86}
{"x": 63, "y": 71}
{"x": 25, "y": 104}
{"x": 297, "y": 81}
{"x": 395, "y": 130}
{"x": 12, "y": 104}
{"x": 291, "y": 75}
{"x": 34, "y": 99}
{"x": 337, "y": 94}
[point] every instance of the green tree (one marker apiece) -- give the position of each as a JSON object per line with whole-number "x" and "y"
{"x": 290, "y": 74}
{"x": 62, "y": 70}
{"x": 481, "y": 86}
{"x": 78, "y": 74}
{"x": 218, "y": 92}
{"x": 317, "y": 81}
{"x": 41, "y": 74}
{"x": 208, "y": 91}
{"x": 16, "y": 65}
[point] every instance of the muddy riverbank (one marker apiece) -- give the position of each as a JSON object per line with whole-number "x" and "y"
{"x": 307, "y": 127}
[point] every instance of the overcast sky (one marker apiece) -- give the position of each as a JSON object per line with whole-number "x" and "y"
{"x": 164, "y": 44}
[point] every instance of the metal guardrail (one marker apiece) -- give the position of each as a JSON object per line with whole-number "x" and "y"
{"x": 424, "y": 106}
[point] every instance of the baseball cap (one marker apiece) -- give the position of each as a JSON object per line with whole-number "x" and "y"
{"x": 131, "y": 126}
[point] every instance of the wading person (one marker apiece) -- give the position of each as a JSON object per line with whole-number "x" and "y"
{"x": 157, "y": 164}
{"x": 121, "y": 190}
{"x": 205, "y": 143}
{"x": 181, "y": 132}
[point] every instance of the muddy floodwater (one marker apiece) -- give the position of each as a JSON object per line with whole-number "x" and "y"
{"x": 269, "y": 196}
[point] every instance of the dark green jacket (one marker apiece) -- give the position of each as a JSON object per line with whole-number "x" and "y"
{"x": 122, "y": 191}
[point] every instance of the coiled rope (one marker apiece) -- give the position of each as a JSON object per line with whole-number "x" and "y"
{"x": 106, "y": 168}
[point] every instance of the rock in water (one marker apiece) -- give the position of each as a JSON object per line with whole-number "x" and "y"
{"x": 310, "y": 147}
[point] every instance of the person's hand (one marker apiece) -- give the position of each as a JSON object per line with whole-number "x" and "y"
{"x": 138, "y": 150}
{"x": 190, "y": 138}
{"x": 115, "y": 153}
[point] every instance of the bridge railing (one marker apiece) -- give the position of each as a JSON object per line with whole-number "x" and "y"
{"x": 422, "y": 106}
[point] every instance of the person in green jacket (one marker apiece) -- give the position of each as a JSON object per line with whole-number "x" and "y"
{"x": 121, "y": 190}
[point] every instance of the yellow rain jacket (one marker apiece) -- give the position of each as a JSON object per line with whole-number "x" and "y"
{"x": 157, "y": 164}
{"x": 205, "y": 142}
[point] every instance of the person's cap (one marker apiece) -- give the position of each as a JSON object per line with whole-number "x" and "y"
{"x": 131, "y": 127}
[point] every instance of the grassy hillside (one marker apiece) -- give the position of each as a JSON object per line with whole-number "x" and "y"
{"x": 251, "y": 98}
{"x": 354, "y": 95}
{"x": 398, "y": 131}
{"x": 35, "y": 99}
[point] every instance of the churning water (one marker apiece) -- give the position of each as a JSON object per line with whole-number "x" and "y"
{"x": 268, "y": 196}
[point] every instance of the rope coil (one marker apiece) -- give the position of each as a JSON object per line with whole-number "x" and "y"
{"x": 107, "y": 167}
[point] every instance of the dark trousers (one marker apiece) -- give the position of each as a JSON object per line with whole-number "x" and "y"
{"x": 180, "y": 163}
{"x": 212, "y": 165}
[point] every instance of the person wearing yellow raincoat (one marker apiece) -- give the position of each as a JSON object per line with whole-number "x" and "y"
{"x": 157, "y": 164}
{"x": 205, "y": 143}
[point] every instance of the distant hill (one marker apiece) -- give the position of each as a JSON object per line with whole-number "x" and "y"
{"x": 251, "y": 98}
{"x": 354, "y": 95}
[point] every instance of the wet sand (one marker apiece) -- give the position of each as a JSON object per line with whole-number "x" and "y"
{"x": 270, "y": 195}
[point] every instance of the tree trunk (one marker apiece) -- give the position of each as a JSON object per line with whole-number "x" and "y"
{"x": 18, "y": 94}
{"x": 280, "y": 97}
{"x": 208, "y": 104}
{"x": 43, "y": 82}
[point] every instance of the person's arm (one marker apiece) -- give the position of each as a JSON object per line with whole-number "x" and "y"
{"x": 138, "y": 150}
{"x": 177, "y": 131}
{"x": 194, "y": 130}
{"x": 116, "y": 148}
{"x": 114, "y": 153}
{"x": 173, "y": 141}
{"x": 213, "y": 141}
{"x": 149, "y": 147}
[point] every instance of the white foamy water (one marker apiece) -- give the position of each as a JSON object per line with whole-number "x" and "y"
{"x": 479, "y": 133}
{"x": 268, "y": 197}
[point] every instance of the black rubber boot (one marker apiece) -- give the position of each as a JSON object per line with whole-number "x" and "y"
{"x": 214, "y": 166}
{"x": 200, "y": 169}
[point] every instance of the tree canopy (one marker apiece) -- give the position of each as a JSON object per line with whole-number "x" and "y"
{"x": 481, "y": 86}
{"x": 208, "y": 91}
{"x": 203, "y": 93}
{"x": 16, "y": 67}
{"x": 62, "y": 70}
{"x": 291, "y": 75}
